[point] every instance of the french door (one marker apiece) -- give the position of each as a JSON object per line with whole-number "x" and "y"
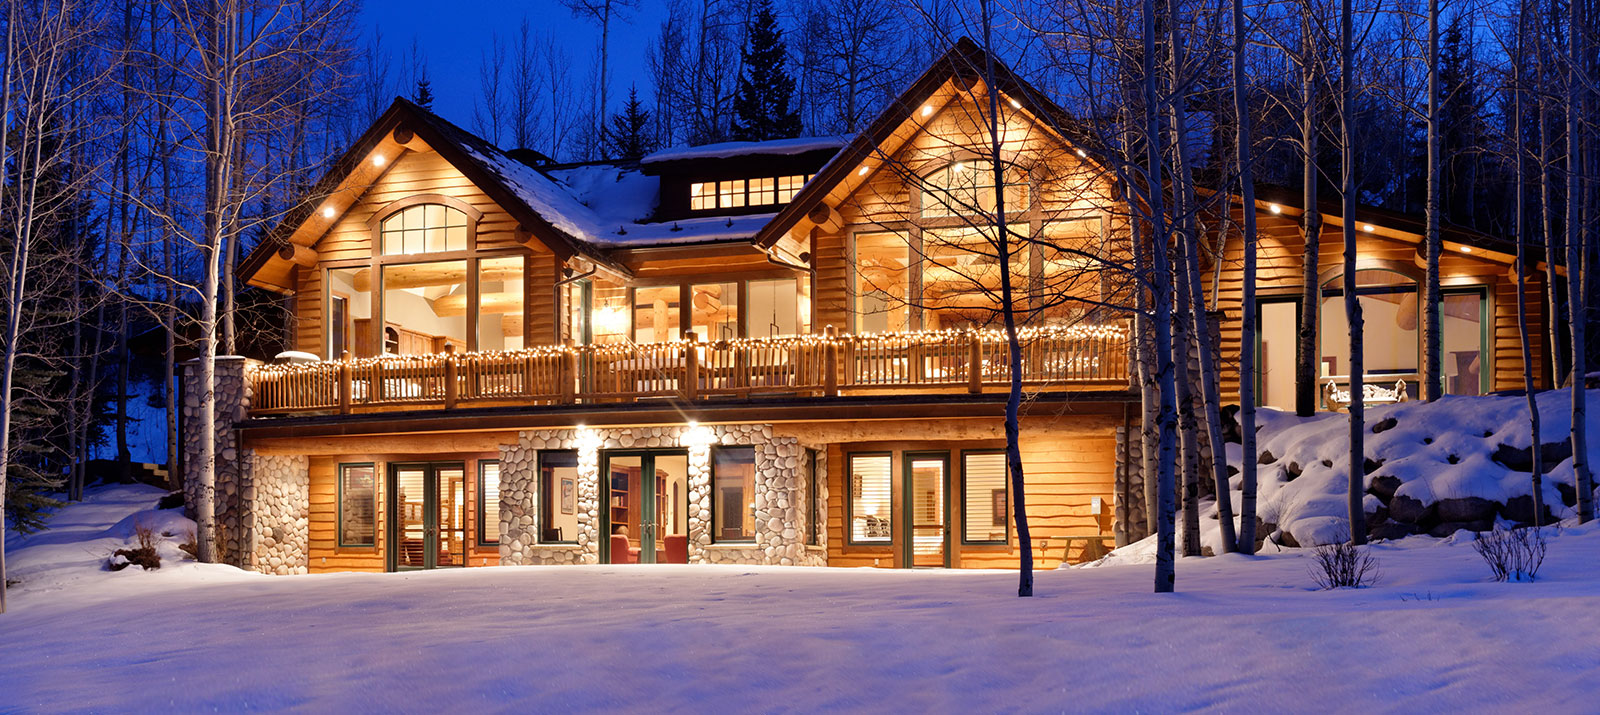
{"x": 646, "y": 514}
{"x": 927, "y": 524}
{"x": 427, "y": 515}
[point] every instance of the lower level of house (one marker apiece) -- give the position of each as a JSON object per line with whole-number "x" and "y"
{"x": 858, "y": 486}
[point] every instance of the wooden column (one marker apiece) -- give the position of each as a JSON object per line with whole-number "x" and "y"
{"x": 344, "y": 383}
{"x": 975, "y": 364}
{"x": 691, "y": 366}
{"x": 830, "y": 364}
{"x": 451, "y": 390}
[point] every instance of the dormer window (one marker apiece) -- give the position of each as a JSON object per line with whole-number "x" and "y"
{"x": 424, "y": 228}
{"x": 741, "y": 193}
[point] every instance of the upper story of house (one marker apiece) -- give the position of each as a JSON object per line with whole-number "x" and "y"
{"x": 431, "y": 268}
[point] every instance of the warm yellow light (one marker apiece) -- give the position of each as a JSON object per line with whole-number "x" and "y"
{"x": 1082, "y": 153}
{"x": 1466, "y": 249}
{"x": 1015, "y": 104}
{"x": 927, "y": 109}
{"x": 377, "y": 160}
{"x": 862, "y": 171}
{"x": 327, "y": 212}
{"x": 958, "y": 167}
{"x": 1367, "y": 227}
{"x": 1275, "y": 209}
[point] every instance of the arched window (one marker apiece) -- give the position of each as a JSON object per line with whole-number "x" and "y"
{"x": 965, "y": 188}
{"x": 424, "y": 228}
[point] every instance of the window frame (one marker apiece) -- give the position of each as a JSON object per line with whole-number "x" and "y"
{"x": 853, "y": 275}
{"x": 850, "y": 501}
{"x": 812, "y": 529}
{"x": 548, "y": 506}
{"x": 339, "y": 472}
{"x": 715, "y": 493}
{"x": 484, "y": 504}
{"x": 965, "y": 517}
{"x": 1331, "y": 285}
{"x": 1294, "y": 299}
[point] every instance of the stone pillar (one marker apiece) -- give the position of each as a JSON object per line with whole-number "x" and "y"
{"x": 519, "y": 500}
{"x": 234, "y": 530}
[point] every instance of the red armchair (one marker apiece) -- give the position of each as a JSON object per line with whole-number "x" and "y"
{"x": 677, "y": 548}
{"x": 620, "y": 553}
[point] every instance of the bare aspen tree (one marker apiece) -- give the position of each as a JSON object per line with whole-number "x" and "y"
{"x": 1518, "y": 64}
{"x": 1432, "y": 335}
{"x": 1577, "y": 258}
{"x": 1305, "y": 363}
{"x": 1352, "y": 302}
{"x": 44, "y": 39}
{"x": 602, "y": 13}
{"x": 1247, "y": 330}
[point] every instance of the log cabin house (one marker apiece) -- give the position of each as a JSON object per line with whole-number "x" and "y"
{"x": 771, "y": 353}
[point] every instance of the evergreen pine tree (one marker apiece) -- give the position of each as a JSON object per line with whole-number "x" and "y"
{"x": 762, "y": 109}
{"x": 423, "y": 95}
{"x": 628, "y": 133}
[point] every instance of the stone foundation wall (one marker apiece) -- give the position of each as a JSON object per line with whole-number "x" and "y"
{"x": 278, "y": 491}
{"x": 781, "y": 493}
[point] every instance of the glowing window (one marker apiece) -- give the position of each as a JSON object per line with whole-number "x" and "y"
{"x": 965, "y": 188}
{"x": 424, "y": 228}
{"x": 730, "y": 194}
{"x": 761, "y": 191}
{"x": 702, "y": 196}
{"x": 788, "y": 186}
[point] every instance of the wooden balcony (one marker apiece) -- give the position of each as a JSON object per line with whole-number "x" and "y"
{"x": 810, "y": 366}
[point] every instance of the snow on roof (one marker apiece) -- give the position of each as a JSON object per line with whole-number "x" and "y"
{"x": 726, "y": 150}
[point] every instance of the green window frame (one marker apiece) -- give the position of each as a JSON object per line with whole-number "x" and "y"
{"x": 853, "y": 494}
{"x": 812, "y": 527}
{"x": 371, "y": 500}
{"x": 967, "y": 496}
{"x": 483, "y": 502}
{"x": 549, "y": 492}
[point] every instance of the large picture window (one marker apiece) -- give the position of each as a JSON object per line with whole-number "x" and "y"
{"x": 879, "y": 289}
{"x": 358, "y": 502}
{"x": 871, "y": 477}
{"x": 425, "y": 307}
{"x": 733, "y": 494}
{"x": 558, "y": 497}
{"x": 1391, "y": 327}
{"x": 488, "y": 502}
{"x": 984, "y": 498}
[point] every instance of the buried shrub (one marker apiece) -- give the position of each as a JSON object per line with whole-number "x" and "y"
{"x": 143, "y": 554}
{"x": 1342, "y": 565}
{"x": 1512, "y": 554}
{"x": 190, "y": 546}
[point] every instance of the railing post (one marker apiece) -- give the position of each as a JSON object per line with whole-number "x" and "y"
{"x": 451, "y": 390}
{"x": 344, "y": 383}
{"x": 567, "y": 373}
{"x": 830, "y": 363}
{"x": 691, "y": 366}
{"x": 975, "y": 363}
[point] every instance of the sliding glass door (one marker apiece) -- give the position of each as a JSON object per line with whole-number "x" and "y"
{"x": 427, "y": 515}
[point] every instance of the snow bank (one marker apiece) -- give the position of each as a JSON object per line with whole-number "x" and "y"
{"x": 728, "y": 150}
{"x": 1242, "y": 635}
{"x": 1430, "y": 467}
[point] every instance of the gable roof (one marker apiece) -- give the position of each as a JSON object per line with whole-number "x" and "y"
{"x": 965, "y": 60}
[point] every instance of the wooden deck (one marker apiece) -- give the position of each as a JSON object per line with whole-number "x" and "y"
{"x": 972, "y": 361}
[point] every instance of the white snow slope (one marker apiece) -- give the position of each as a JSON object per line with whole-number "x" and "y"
{"x": 1242, "y": 634}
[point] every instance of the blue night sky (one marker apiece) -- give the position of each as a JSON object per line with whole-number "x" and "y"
{"x": 453, "y": 36}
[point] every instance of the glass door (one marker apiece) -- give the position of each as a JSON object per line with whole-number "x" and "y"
{"x": 427, "y": 515}
{"x": 927, "y": 492}
{"x": 647, "y": 497}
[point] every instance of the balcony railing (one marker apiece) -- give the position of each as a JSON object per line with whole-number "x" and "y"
{"x": 1075, "y": 357}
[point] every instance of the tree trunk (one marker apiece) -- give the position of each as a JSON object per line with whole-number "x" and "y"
{"x": 1352, "y": 302}
{"x": 1575, "y": 259}
{"x": 1247, "y": 328}
{"x": 1160, "y": 284}
{"x": 1520, "y": 227}
{"x": 1432, "y": 335}
{"x": 1305, "y": 354}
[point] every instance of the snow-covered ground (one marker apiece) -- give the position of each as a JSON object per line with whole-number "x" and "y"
{"x": 1242, "y": 634}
